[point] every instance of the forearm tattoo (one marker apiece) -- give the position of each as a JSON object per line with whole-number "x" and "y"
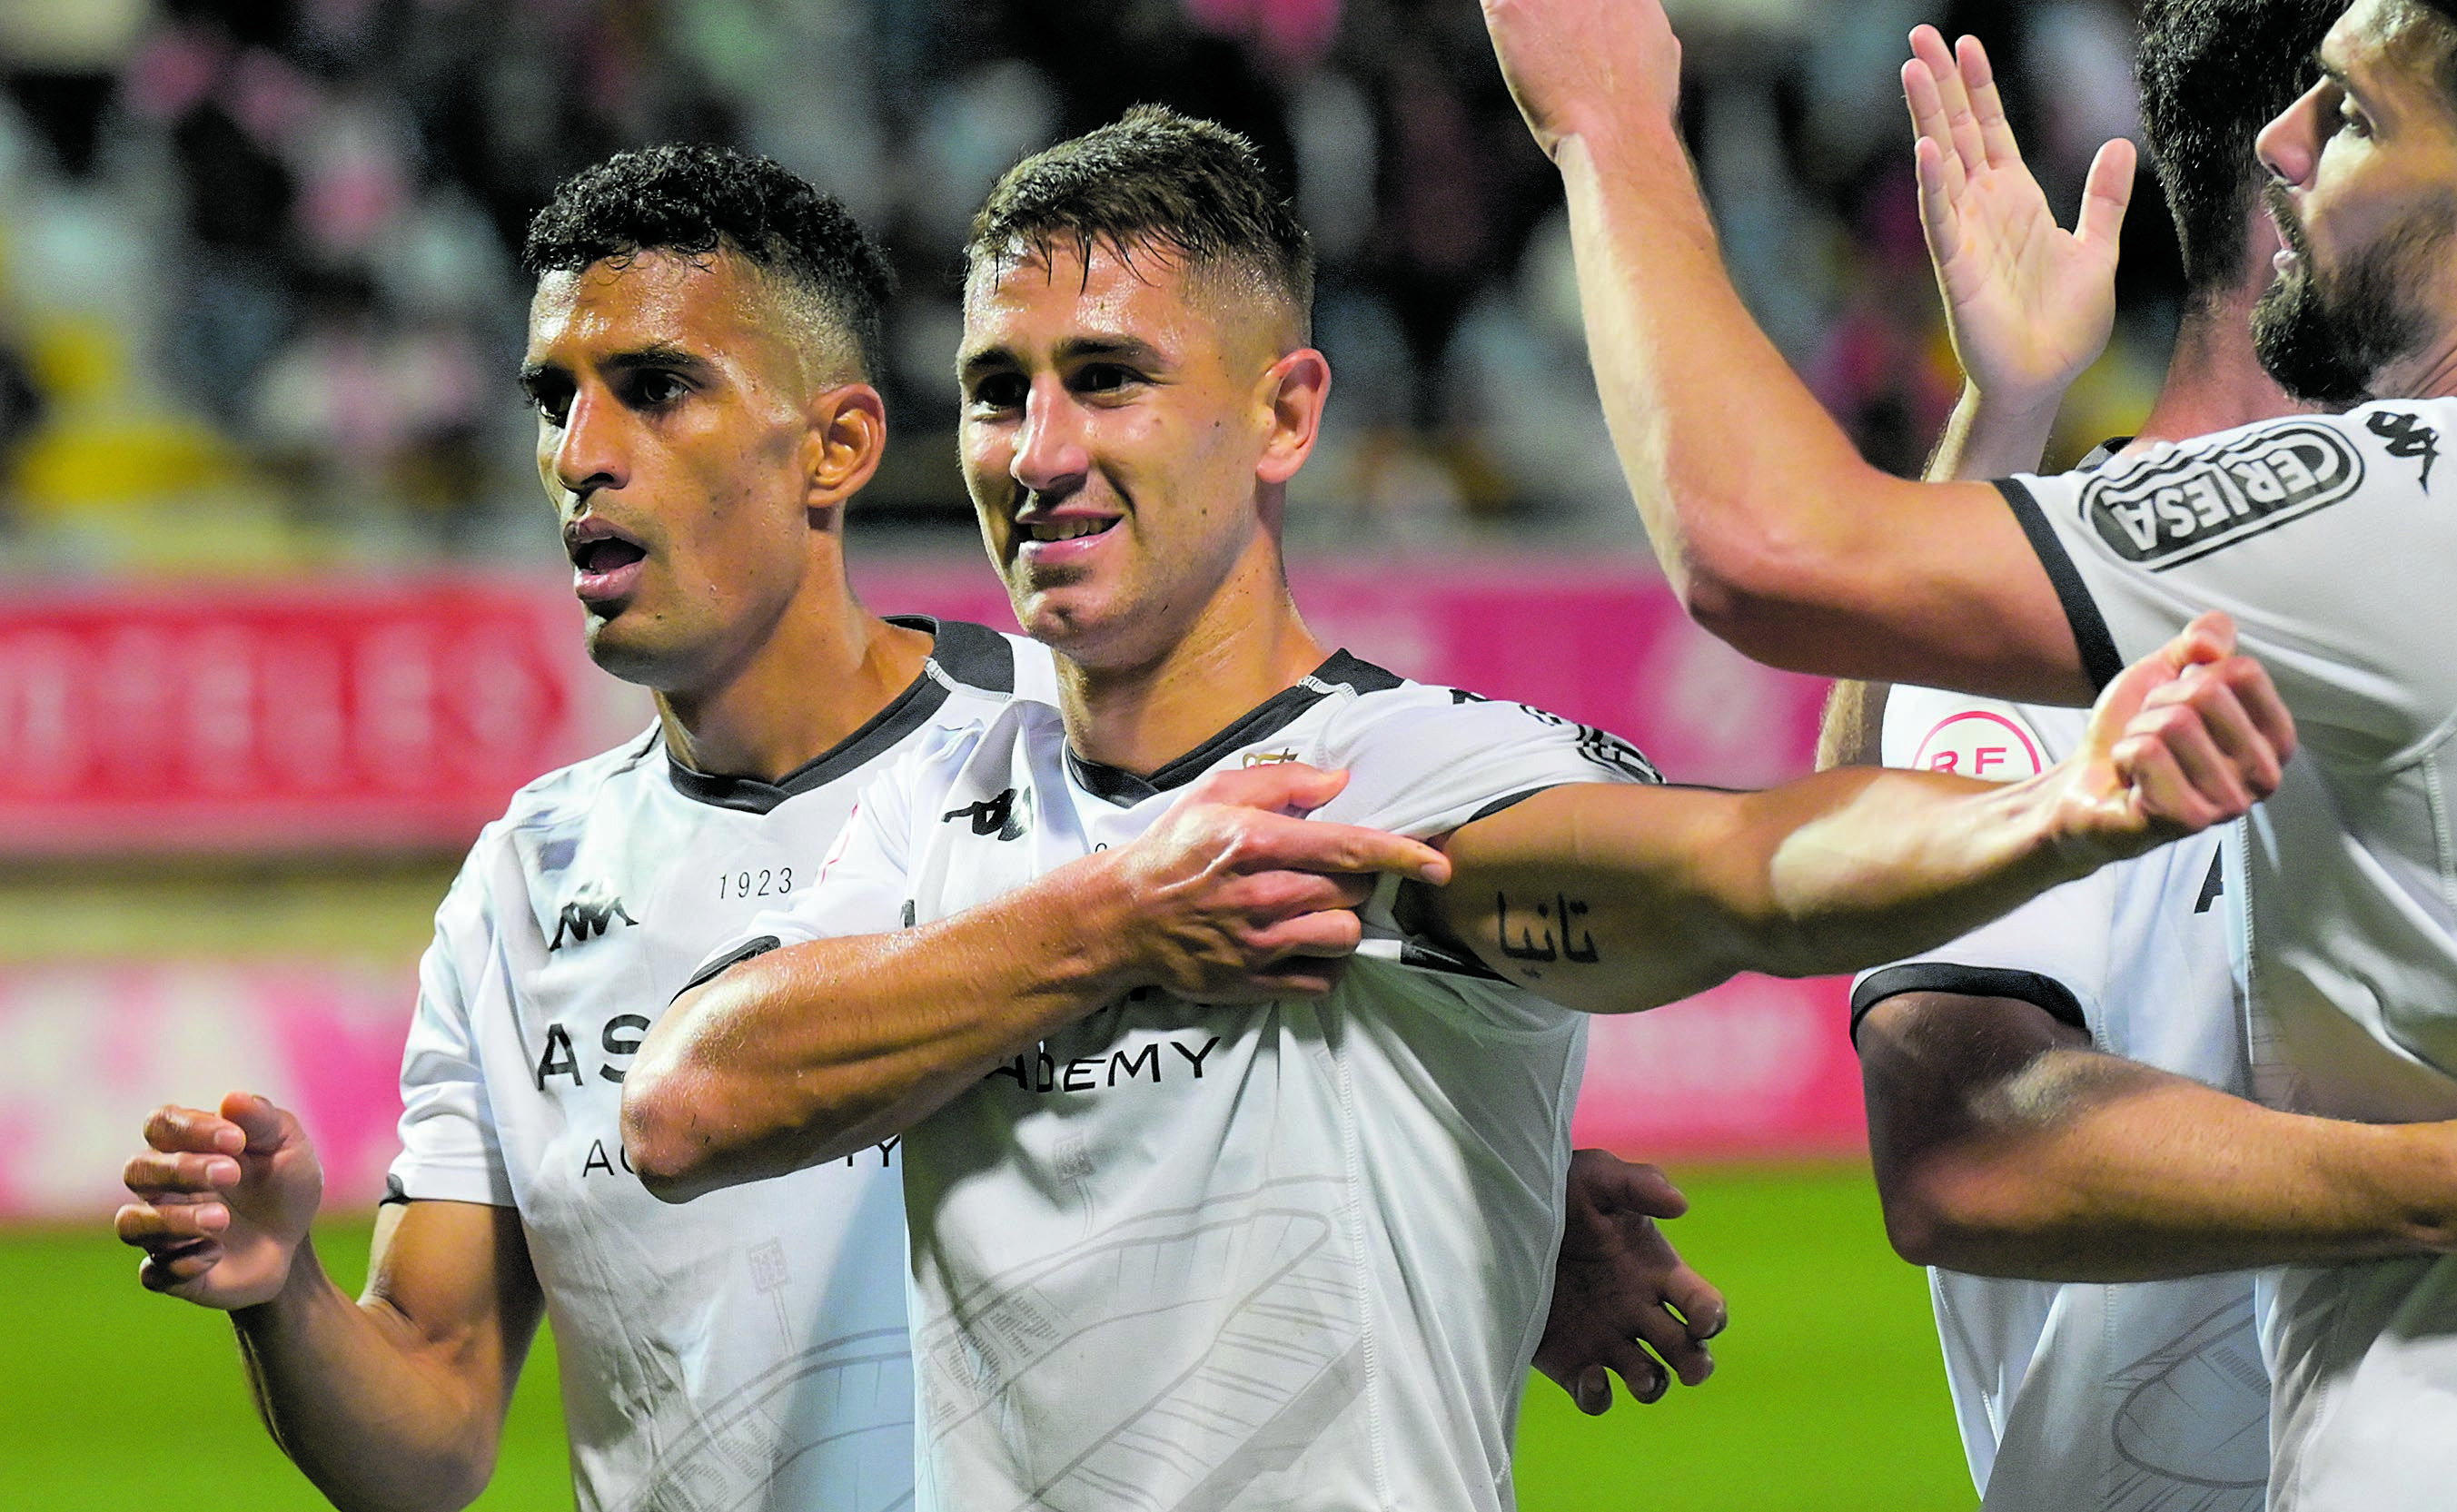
{"x": 1547, "y": 932}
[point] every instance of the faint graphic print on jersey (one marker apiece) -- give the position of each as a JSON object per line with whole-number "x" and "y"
{"x": 1223, "y": 1342}
{"x": 727, "y": 1457}
{"x": 2178, "y": 505}
{"x": 2193, "y": 1433}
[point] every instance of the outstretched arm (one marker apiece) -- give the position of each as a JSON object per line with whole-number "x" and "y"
{"x": 1777, "y": 536}
{"x": 392, "y": 1403}
{"x": 2006, "y": 1146}
{"x": 1610, "y": 899}
{"x": 811, "y": 1052}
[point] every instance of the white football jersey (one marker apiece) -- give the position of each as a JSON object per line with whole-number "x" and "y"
{"x": 1293, "y": 1254}
{"x": 2144, "y": 1398}
{"x": 746, "y": 1350}
{"x": 2333, "y": 541}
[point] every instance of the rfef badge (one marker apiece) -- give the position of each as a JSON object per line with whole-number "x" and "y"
{"x": 1981, "y": 743}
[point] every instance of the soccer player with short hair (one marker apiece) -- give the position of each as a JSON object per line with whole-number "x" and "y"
{"x": 2322, "y": 534}
{"x": 2078, "y": 1395}
{"x": 701, "y": 342}
{"x": 1176, "y": 1239}
{"x": 700, "y": 349}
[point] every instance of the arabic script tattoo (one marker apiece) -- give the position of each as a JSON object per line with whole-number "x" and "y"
{"x": 1551, "y": 934}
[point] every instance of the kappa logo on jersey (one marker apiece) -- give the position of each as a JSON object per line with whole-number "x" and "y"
{"x": 2173, "y": 509}
{"x": 2407, "y": 437}
{"x": 1980, "y": 743}
{"x": 587, "y": 918}
{"x": 997, "y": 816}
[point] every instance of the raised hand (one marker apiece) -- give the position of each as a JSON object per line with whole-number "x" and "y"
{"x": 2029, "y": 305}
{"x": 223, "y": 1201}
{"x": 2190, "y": 736}
{"x": 1572, "y": 64}
{"x": 1238, "y": 898}
{"x": 1619, "y": 1285}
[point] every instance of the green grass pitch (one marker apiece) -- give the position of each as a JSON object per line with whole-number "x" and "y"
{"x": 1827, "y": 1395}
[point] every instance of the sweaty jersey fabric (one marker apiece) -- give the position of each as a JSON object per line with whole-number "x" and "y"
{"x": 748, "y": 1349}
{"x": 1288, "y": 1255}
{"x": 2142, "y": 1398}
{"x": 2333, "y": 542}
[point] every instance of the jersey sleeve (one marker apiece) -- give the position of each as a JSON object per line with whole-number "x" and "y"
{"x": 449, "y": 1149}
{"x": 2328, "y": 538}
{"x": 1424, "y": 761}
{"x": 2052, "y": 952}
{"x": 860, "y": 888}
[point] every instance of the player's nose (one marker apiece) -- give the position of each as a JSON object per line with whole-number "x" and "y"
{"x": 1050, "y": 455}
{"x": 2288, "y": 145}
{"x": 587, "y": 454}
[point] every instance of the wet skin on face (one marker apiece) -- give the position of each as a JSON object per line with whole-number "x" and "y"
{"x": 675, "y": 439}
{"x": 2364, "y": 168}
{"x": 1121, "y": 415}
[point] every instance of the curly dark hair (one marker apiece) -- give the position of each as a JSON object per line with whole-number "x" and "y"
{"x": 2213, "y": 72}
{"x": 1152, "y": 177}
{"x": 694, "y": 200}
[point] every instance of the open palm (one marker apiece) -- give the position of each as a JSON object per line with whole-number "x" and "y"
{"x": 2030, "y": 304}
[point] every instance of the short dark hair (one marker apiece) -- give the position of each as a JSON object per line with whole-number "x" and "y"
{"x": 2213, "y": 72}
{"x": 1153, "y": 177}
{"x": 693, "y": 201}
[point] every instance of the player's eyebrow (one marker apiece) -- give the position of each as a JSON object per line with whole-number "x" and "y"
{"x": 972, "y": 365}
{"x": 2344, "y": 81}
{"x": 1119, "y": 348}
{"x": 1129, "y": 349}
{"x": 664, "y": 357}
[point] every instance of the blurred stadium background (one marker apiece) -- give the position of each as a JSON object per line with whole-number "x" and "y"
{"x": 282, "y": 624}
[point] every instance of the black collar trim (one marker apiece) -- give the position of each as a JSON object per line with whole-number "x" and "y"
{"x": 971, "y": 654}
{"x": 2102, "y": 454}
{"x": 963, "y": 654}
{"x": 1117, "y": 785}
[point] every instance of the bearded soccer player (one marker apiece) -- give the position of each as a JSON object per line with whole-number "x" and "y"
{"x": 2322, "y": 534}
{"x": 699, "y": 350}
{"x": 1987, "y": 1058}
{"x": 1175, "y": 1239}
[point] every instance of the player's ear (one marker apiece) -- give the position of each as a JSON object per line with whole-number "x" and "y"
{"x": 846, "y": 437}
{"x": 1293, "y": 391}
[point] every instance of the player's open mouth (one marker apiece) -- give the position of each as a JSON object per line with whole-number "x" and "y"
{"x": 605, "y": 562}
{"x": 1059, "y": 535}
{"x": 1067, "y": 529}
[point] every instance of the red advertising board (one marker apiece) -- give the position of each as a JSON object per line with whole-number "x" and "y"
{"x": 279, "y": 718}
